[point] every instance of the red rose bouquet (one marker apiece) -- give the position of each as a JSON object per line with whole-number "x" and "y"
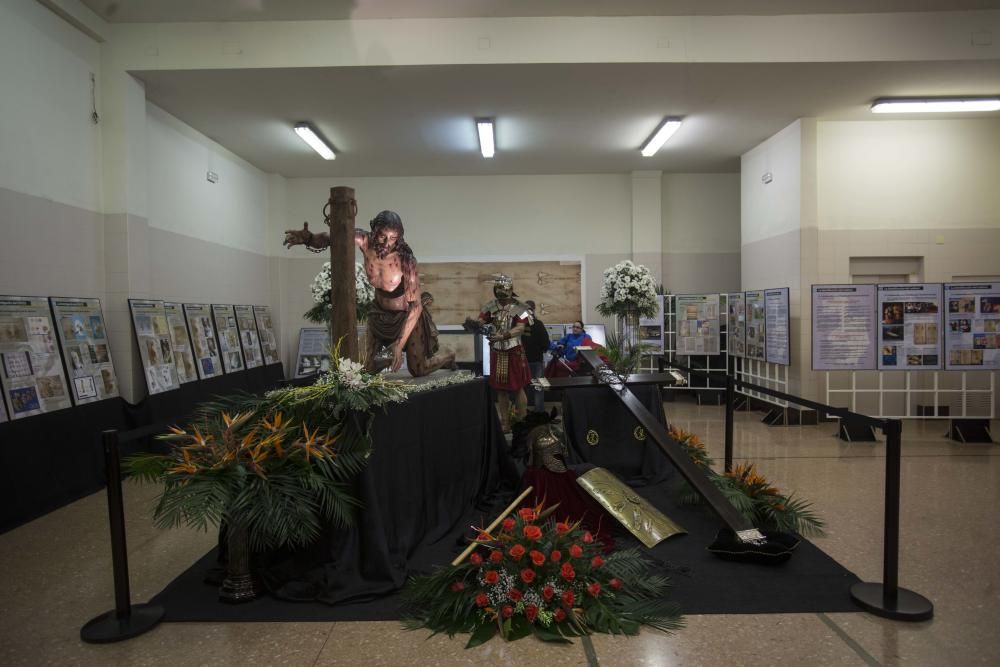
{"x": 535, "y": 575}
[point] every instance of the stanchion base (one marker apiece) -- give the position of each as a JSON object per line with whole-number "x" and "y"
{"x": 908, "y": 606}
{"x": 108, "y": 628}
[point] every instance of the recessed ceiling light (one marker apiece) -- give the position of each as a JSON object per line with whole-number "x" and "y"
{"x": 663, "y": 132}
{"x": 936, "y": 105}
{"x": 485, "y": 128}
{"x": 311, "y": 137}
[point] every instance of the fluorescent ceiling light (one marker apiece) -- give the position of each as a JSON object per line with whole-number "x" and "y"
{"x": 485, "y": 127}
{"x": 664, "y": 132}
{"x": 936, "y": 105}
{"x": 309, "y": 135}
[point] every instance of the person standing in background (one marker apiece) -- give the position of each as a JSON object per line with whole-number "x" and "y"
{"x": 535, "y": 342}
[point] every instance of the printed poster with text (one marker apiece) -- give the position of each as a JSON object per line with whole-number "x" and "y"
{"x": 736, "y": 326}
{"x": 843, "y": 327}
{"x": 156, "y": 350}
{"x": 314, "y": 351}
{"x": 697, "y": 324}
{"x": 972, "y": 331}
{"x": 910, "y": 335}
{"x": 32, "y": 375}
{"x": 777, "y": 341}
{"x": 84, "y": 340}
{"x": 756, "y": 314}
{"x": 651, "y": 329}
{"x": 268, "y": 339}
{"x": 203, "y": 342}
{"x": 229, "y": 337}
{"x": 184, "y": 359}
{"x": 249, "y": 338}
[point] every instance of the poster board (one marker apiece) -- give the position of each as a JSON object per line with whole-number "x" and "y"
{"x": 265, "y": 329}
{"x": 777, "y": 340}
{"x": 84, "y": 341}
{"x": 156, "y": 350}
{"x": 313, "y": 355}
{"x": 972, "y": 329}
{"x": 736, "y": 324}
{"x": 463, "y": 343}
{"x": 910, "y": 335}
{"x": 843, "y": 327}
{"x": 249, "y": 338}
{"x": 184, "y": 359}
{"x": 203, "y": 342}
{"x": 697, "y": 324}
{"x": 651, "y": 330}
{"x": 3, "y": 411}
{"x": 756, "y": 323}
{"x": 31, "y": 370}
{"x": 228, "y": 334}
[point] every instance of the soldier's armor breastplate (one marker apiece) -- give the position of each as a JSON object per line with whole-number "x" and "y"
{"x": 502, "y": 318}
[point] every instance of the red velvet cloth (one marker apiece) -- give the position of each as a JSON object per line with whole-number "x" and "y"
{"x": 574, "y": 503}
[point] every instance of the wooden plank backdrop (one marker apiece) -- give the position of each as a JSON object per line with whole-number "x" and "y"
{"x": 460, "y": 289}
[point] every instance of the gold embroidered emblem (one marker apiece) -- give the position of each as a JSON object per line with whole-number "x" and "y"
{"x": 639, "y": 433}
{"x": 592, "y": 437}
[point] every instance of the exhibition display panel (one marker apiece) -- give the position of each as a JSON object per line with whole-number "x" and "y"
{"x": 313, "y": 355}
{"x": 156, "y": 350}
{"x": 33, "y": 378}
{"x": 180, "y": 339}
{"x": 203, "y": 342}
{"x": 698, "y": 324}
{"x": 972, "y": 335}
{"x": 756, "y": 337}
{"x": 777, "y": 341}
{"x": 843, "y": 327}
{"x": 910, "y": 336}
{"x": 249, "y": 338}
{"x": 265, "y": 329}
{"x": 228, "y": 334}
{"x": 736, "y": 326}
{"x": 84, "y": 341}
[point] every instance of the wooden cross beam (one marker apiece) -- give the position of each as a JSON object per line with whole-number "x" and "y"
{"x": 695, "y": 476}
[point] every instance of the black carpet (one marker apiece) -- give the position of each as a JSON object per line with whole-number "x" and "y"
{"x": 702, "y": 584}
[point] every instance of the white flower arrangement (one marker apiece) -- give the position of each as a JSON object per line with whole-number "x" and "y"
{"x": 320, "y": 287}
{"x": 627, "y": 289}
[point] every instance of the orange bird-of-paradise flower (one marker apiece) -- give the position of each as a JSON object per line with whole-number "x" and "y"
{"x": 272, "y": 425}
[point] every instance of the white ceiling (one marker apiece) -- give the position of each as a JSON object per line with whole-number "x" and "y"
{"x": 551, "y": 118}
{"x": 162, "y": 11}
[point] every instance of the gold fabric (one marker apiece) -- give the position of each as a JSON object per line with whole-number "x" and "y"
{"x": 649, "y": 525}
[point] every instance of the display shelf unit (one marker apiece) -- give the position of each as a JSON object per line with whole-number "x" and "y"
{"x": 973, "y": 402}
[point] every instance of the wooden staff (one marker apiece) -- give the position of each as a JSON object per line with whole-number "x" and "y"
{"x": 510, "y": 508}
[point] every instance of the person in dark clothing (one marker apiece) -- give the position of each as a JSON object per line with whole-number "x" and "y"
{"x": 535, "y": 342}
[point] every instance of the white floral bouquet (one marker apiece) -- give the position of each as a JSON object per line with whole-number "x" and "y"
{"x": 365, "y": 294}
{"x": 628, "y": 289}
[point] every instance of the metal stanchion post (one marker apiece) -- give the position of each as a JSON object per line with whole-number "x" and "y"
{"x": 730, "y": 399}
{"x": 888, "y": 599}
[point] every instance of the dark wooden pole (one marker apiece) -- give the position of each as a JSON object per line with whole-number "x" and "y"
{"x": 344, "y": 318}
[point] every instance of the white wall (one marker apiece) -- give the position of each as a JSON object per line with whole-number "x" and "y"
{"x": 771, "y": 209}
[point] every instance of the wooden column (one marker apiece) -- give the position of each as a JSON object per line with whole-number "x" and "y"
{"x": 344, "y": 318}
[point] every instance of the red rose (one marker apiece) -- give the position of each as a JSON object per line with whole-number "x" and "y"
{"x": 556, "y": 556}
{"x": 594, "y": 589}
{"x": 515, "y": 594}
{"x": 532, "y": 532}
{"x": 560, "y": 615}
{"x": 615, "y": 583}
{"x": 457, "y": 586}
{"x": 587, "y": 537}
{"x": 596, "y": 561}
{"x": 496, "y": 556}
{"x": 562, "y": 528}
{"x": 508, "y": 525}
{"x": 527, "y": 514}
{"x": 517, "y": 552}
{"x": 548, "y": 592}
{"x": 476, "y": 559}
{"x": 482, "y": 600}
{"x": 576, "y": 551}
{"x": 531, "y": 612}
{"x": 567, "y": 572}
{"x": 507, "y": 611}
{"x": 568, "y": 598}
{"x": 537, "y": 557}
{"x": 527, "y": 575}
{"x": 491, "y": 577}
{"x": 483, "y": 537}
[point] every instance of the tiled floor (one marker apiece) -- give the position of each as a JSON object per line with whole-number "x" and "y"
{"x": 56, "y": 575}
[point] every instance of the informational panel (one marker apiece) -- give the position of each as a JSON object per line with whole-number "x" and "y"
{"x": 3, "y": 411}
{"x": 736, "y": 325}
{"x": 843, "y": 327}
{"x": 777, "y": 341}
{"x": 156, "y": 350}
{"x": 697, "y": 324}
{"x": 84, "y": 341}
{"x": 597, "y": 333}
{"x": 32, "y": 376}
{"x": 463, "y": 343}
{"x": 972, "y": 334}
{"x": 228, "y": 333}
{"x": 249, "y": 339}
{"x": 910, "y": 336}
{"x": 651, "y": 329}
{"x": 314, "y": 351}
{"x": 184, "y": 359}
{"x": 203, "y": 342}
{"x": 756, "y": 312}
{"x": 557, "y": 331}
{"x": 268, "y": 339}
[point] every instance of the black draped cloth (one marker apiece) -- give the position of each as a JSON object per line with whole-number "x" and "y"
{"x": 436, "y": 457}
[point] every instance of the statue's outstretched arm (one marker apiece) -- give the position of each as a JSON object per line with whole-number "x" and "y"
{"x": 315, "y": 242}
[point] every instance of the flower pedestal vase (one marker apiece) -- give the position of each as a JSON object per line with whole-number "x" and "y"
{"x": 627, "y": 331}
{"x": 238, "y": 586}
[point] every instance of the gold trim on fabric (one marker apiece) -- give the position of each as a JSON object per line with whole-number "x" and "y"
{"x": 593, "y": 438}
{"x": 639, "y": 433}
